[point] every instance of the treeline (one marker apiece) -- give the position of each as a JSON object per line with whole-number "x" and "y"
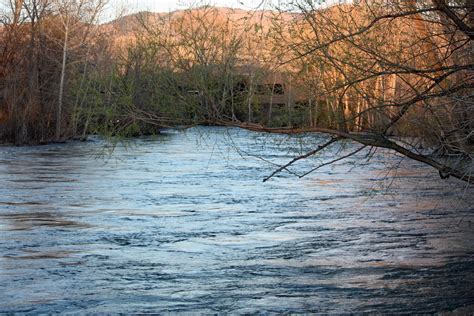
{"x": 195, "y": 66}
{"x": 64, "y": 76}
{"x": 45, "y": 47}
{"x": 391, "y": 68}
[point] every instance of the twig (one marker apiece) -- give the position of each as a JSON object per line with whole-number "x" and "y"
{"x": 332, "y": 161}
{"x": 308, "y": 154}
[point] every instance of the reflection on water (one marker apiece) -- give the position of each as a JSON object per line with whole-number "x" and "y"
{"x": 32, "y": 220}
{"x": 183, "y": 222}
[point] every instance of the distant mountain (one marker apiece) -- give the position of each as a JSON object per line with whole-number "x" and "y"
{"x": 125, "y": 28}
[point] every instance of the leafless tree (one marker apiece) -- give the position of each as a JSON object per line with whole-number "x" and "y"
{"x": 395, "y": 75}
{"x": 40, "y": 39}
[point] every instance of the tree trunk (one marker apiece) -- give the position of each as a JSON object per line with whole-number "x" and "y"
{"x": 61, "y": 86}
{"x": 250, "y": 94}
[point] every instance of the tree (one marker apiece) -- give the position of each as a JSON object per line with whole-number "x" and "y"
{"x": 396, "y": 74}
{"x": 76, "y": 18}
{"x": 41, "y": 39}
{"x": 194, "y": 53}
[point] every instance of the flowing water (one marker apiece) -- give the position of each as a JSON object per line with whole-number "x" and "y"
{"x": 183, "y": 222}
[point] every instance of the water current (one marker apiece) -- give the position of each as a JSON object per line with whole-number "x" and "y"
{"x": 182, "y": 222}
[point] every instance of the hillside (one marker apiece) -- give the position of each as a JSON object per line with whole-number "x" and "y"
{"x": 124, "y": 29}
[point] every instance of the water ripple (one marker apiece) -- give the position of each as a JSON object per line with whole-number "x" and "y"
{"x": 183, "y": 223}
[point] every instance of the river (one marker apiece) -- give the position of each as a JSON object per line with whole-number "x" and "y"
{"x": 182, "y": 222}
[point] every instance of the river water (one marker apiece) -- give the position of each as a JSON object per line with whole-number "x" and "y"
{"x": 183, "y": 222}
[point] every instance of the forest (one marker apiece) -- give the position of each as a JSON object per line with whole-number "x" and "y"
{"x": 386, "y": 74}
